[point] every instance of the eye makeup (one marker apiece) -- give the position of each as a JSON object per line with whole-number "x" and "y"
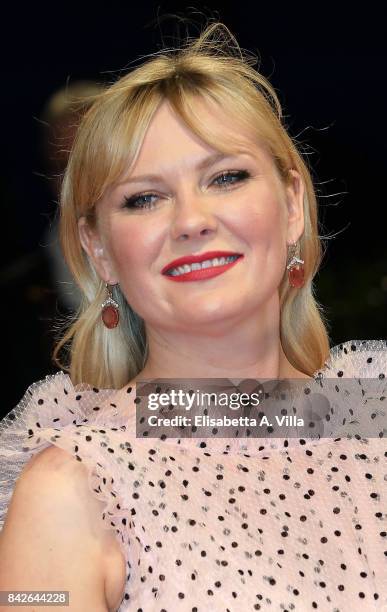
{"x": 227, "y": 179}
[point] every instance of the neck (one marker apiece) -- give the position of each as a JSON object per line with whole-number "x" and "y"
{"x": 250, "y": 349}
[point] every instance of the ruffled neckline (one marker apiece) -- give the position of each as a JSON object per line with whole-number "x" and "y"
{"x": 115, "y": 406}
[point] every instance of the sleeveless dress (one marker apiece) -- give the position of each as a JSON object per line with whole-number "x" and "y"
{"x": 229, "y": 525}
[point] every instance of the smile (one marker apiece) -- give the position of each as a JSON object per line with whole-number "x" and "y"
{"x": 203, "y": 270}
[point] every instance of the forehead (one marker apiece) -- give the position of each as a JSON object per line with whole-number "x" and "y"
{"x": 169, "y": 139}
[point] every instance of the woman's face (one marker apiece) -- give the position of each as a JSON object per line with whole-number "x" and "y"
{"x": 184, "y": 198}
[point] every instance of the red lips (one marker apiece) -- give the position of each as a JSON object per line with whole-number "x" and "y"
{"x": 190, "y": 259}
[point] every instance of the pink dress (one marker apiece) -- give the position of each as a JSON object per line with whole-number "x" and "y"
{"x": 218, "y": 526}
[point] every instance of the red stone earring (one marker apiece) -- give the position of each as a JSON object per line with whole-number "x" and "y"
{"x": 110, "y": 310}
{"x": 295, "y": 269}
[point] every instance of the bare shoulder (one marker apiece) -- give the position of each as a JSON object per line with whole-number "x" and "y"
{"x": 53, "y": 534}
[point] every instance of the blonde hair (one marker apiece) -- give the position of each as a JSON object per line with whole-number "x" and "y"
{"x": 214, "y": 69}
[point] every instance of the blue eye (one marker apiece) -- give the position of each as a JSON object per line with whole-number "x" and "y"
{"x": 238, "y": 175}
{"x": 135, "y": 201}
{"x": 139, "y": 201}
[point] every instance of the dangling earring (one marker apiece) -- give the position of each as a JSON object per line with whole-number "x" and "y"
{"x": 295, "y": 269}
{"x": 110, "y": 310}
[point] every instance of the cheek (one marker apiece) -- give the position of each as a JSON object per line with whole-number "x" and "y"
{"x": 262, "y": 217}
{"x": 133, "y": 243}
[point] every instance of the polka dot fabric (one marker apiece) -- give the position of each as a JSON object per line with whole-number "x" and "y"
{"x": 218, "y": 525}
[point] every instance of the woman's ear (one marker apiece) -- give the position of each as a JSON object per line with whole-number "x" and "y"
{"x": 96, "y": 251}
{"x": 295, "y": 191}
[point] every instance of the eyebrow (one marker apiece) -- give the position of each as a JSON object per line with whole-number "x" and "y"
{"x": 202, "y": 165}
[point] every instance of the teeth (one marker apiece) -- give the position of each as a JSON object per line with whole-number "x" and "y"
{"x": 208, "y": 263}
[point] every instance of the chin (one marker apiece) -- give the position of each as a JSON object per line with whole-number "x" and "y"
{"x": 210, "y": 316}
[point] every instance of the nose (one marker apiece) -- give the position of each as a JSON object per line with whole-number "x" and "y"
{"x": 192, "y": 217}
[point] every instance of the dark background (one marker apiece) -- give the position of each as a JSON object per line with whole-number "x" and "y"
{"x": 328, "y": 66}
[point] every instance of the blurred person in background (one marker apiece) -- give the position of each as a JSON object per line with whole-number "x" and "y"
{"x": 38, "y": 280}
{"x": 60, "y": 118}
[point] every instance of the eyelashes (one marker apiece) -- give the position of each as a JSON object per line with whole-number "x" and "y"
{"x": 143, "y": 201}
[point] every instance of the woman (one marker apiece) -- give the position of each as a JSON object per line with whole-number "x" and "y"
{"x": 186, "y": 157}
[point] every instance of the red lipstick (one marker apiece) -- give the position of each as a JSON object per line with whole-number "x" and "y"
{"x": 202, "y": 273}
